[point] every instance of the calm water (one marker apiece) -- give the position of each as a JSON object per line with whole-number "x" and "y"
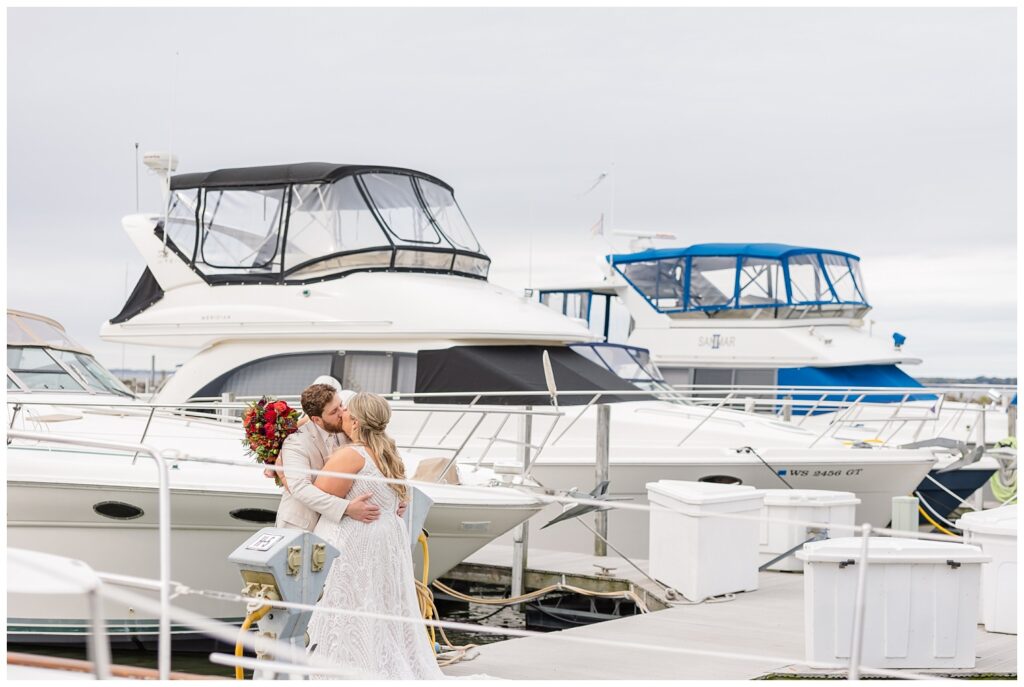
{"x": 197, "y": 662}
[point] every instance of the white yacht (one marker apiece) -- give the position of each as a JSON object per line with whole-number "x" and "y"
{"x": 749, "y": 315}
{"x": 279, "y": 274}
{"x": 100, "y": 506}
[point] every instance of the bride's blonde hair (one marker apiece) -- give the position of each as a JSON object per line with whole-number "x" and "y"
{"x": 374, "y": 413}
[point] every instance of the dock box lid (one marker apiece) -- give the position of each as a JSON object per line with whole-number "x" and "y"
{"x": 891, "y": 550}
{"x": 1002, "y": 520}
{"x": 700, "y": 493}
{"x": 808, "y": 497}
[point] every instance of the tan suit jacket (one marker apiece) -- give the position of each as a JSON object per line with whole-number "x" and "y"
{"x": 302, "y": 503}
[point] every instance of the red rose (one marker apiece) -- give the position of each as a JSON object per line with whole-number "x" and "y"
{"x": 270, "y": 416}
{"x": 268, "y": 429}
{"x": 281, "y": 407}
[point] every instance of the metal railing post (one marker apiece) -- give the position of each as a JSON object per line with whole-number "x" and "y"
{"x": 521, "y": 533}
{"x": 226, "y": 397}
{"x": 601, "y": 468}
{"x": 859, "y": 603}
{"x": 787, "y": 408}
{"x": 163, "y": 526}
{"x": 98, "y": 645}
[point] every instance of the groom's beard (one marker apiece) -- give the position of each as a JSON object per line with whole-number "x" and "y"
{"x": 331, "y": 427}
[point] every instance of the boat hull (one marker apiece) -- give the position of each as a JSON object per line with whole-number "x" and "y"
{"x": 60, "y": 519}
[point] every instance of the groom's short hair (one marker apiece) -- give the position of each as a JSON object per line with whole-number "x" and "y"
{"x": 316, "y": 397}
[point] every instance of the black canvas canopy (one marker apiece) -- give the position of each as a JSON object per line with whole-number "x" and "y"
{"x": 515, "y": 368}
{"x": 146, "y": 292}
{"x": 283, "y": 175}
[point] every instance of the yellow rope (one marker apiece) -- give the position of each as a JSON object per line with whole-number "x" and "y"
{"x": 249, "y": 620}
{"x": 934, "y": 524}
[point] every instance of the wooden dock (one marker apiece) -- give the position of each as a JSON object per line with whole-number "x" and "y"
{"x": 767, "y": 623}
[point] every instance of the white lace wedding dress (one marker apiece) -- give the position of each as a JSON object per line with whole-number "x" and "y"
{"x": 373, "y": 574}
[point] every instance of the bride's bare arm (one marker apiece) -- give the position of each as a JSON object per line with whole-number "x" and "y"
{"x": 345, "y": 460}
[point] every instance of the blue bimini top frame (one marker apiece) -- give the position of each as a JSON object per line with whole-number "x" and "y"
{"x": 713, "y": 277}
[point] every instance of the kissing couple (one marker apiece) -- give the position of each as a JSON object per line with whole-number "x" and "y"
{"x": 361, "y": 517}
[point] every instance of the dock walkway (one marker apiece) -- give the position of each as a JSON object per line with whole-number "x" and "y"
{"x": 766, "y": 623}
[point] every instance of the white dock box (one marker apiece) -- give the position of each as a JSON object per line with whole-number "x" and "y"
{"x": 995, "y": 531}
{"x": 696, "y": 553}
{"x": 807, "y": 505}
{"x": 921, "y": 602}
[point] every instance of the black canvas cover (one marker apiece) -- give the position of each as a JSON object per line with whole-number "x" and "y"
{"x": 283, "y": 175}
{"x": 146, "y": 292}
{"x": 515, "y": 368}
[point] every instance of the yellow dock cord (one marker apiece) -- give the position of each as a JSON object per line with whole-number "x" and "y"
{"x": 249, "y": 620}
{"x": 934, "y": 524}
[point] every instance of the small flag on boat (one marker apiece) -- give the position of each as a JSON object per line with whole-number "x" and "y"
{"x": 598, "y": 228}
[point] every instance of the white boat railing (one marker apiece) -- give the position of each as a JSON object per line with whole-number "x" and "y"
{"x": 284, "y": 651}
{"x": 218, "y": 412}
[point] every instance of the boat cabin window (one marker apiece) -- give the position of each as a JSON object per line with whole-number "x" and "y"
{"x": 378, "y": 372}
{"x": 712, "y": 281}
{"x": 287, "y": 230}
{"x": 746, "y": 281}
{"x": 240, "y": 228}
{"x": 722, "y": 377}
{"x": 447, "y": 215}
{"x": 762, "y": 282}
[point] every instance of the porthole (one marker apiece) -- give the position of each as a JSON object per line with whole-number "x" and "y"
{"x": 118, "y": 510}
{"x": 261, "y": 516}
{"x": 721, "y": 479}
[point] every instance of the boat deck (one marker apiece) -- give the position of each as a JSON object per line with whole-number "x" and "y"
{"x": 766, "y": 624}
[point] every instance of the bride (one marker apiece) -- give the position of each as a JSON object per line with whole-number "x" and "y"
{"x": 374, "y": 571}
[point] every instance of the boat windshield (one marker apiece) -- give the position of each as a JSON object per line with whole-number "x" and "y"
{"x": 632, "y": 364}
{"x": 747, "y": 281}
{"x": 41, "y": 357}
{"x": 297, "y": 230}
{"x": 47, "y": 369}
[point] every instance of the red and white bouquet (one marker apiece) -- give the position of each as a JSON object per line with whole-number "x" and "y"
{"x": 267, "y": 423}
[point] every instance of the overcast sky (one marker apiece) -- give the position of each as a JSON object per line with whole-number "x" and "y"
{"x": 886, "y": 133}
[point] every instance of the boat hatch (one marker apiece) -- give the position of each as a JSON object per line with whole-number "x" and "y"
{"x": 313, "y": 221}
{"x": 747, "y": 280}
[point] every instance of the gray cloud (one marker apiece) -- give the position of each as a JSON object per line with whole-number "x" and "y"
{"x": 885, "y": 132}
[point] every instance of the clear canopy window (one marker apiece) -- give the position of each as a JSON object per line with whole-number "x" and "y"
{"x": 746, "y": 280}
{"x": 300, "y": 223}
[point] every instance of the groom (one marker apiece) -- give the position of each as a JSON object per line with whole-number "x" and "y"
{"x": 302, "y": 503}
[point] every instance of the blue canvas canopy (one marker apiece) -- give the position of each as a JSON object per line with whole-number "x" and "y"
{"x": 756, "y": 250}
{"x": 713, "y": 277}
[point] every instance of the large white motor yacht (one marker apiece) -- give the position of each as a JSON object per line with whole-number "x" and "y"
{"x": 100, "y": 506}
{"x": 279, "y": 274}
{"x": 775, "y": 321}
